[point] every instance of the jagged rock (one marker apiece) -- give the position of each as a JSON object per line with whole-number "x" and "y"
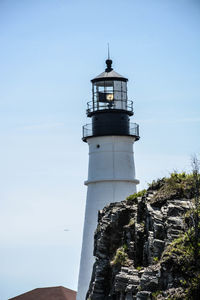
{"x": 143, "y": 296}
{"x": 149, "y": 280}
{"x": 142, "y": 229}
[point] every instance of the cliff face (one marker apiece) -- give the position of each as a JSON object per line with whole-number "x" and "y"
{"x": 136, "y": 245}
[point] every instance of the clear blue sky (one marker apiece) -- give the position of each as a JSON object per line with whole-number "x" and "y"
{"x": 50, "y": 49}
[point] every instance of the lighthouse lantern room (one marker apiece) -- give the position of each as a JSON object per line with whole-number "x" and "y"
{"x": 110, "y": 109}
{"x": 111, "y": 171}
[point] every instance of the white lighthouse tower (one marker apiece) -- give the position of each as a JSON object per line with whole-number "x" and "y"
{"x": 111, "y": 173}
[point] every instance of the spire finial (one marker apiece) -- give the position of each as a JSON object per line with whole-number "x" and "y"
{"x": 109, "y": 61}
{"x": 108, "y": 51}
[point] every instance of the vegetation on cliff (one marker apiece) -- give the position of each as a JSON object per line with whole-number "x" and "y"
{"x": 181, "y": 253}
{"x": 184, "y": 252}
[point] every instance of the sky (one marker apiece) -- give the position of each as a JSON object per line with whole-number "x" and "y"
{"x": 50, "y": 50}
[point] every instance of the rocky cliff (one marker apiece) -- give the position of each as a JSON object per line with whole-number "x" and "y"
{"x": 143, "y": 245}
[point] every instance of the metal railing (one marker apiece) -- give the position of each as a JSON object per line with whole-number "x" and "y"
{"x": 126, "y": 105}
{"x": 133, "y": 131}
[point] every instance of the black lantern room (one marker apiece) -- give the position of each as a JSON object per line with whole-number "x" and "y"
{"x": 110, "y": 108}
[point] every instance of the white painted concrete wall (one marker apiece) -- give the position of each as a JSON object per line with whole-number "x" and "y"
{"x": 111, "y": 178}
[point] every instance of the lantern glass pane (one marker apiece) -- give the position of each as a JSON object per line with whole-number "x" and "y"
{"x": 110, "y": 94}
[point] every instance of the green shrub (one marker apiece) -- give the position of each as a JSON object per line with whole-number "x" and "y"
{"x": 133, "y": 198}
{"x": 155, "y": 259}
{"x": 156, "y": 294}
{"x": 178, "y": 185}
{"x": 121, "y": 257}
{"x": 131, "y": 222}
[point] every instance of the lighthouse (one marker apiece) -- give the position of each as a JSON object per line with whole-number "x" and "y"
{"x": 111, "y": 172}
